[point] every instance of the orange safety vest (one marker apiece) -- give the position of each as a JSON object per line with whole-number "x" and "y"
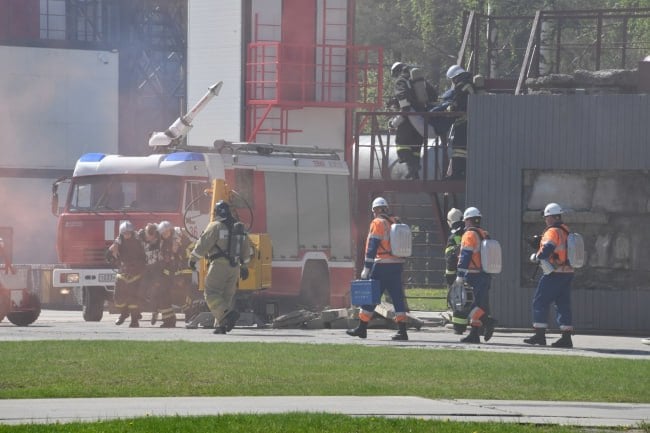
{"x": 380, "y": 229}
{"x": 558, "y": 237}
{"x": 471, "y": 240}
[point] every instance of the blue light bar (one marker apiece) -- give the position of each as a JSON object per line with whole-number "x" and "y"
{"x": 92, "y": 157}
{"x": 185, "y": 156}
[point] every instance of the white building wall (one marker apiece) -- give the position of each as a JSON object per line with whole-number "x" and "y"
{"x": 322, "y": 127}
{"x": 214, "y": 53}
{"x": 57, "y": 104}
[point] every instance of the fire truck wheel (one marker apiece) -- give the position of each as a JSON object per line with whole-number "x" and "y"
{"x": 29, "y": 316}
{"x": 93, "y": 303}
{"x": 315, "y": 286}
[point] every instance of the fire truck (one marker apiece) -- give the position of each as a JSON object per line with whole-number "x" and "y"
{"x": 297, "y": 198}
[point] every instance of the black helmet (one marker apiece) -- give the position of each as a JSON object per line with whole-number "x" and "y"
{"x": 397, "y": 69}
{"x": 222, "y": 211}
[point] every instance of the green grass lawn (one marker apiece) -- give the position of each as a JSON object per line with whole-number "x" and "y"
{"x": 288, "y": 423}
{"x": 427, "y": 299}
{"x": 60, "y": 369}
{"x": 133, "y": 368}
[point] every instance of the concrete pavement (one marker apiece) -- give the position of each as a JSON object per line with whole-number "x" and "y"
{"x": 41, "y": 411}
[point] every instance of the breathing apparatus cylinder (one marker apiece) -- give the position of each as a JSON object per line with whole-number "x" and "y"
{"x": 237, "y": 244}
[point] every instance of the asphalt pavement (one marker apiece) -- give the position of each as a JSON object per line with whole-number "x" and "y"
{"x": 68, "y": 325}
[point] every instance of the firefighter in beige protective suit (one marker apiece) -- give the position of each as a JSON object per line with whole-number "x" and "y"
{"x": 225, "y": 244}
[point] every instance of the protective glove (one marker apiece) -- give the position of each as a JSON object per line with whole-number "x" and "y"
{"x": 191, "y": 263}
{"x": 243, "y": 272}
{"x": 533, "y": 258}
{"x": 395, "y": 122}
{"x": 110, "y": 258}
{"x": 365, "y": 274}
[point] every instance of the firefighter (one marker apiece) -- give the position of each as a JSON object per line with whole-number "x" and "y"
{"x": 182, "y": 279}
{"x": 151, "y": 280}
{"x": 463, "y": 86}
{"x": 129, "y": 252}
{"x": 407, "y": 139}
{"x": 169, "y": 248}
{"x": 554, "y": 287}
{"x": 381, "y": 265}
{"x": 469, "y": 271}
{"x": 452, "y": 250}
{"x": 225, "y": 244}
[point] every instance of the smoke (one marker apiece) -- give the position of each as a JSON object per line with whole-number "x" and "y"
{"x": 57, "y": 105}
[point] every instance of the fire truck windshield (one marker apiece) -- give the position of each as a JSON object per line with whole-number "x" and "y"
{"x": 124, "y": 192}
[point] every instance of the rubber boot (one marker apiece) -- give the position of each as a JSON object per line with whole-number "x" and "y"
{"x": 230, "y": 320}
{"x": 413, "y": 170}
{"x": 564, "y": 341}
{"x": 220, "y": 330}
{"x": 459, "y": 321}
{"x": 488, "y": 327}
{"x": 154, "y": 317}
{"x": 360, "y": 331}
{"x": 122, "y": 318}
{"x": 135, "y": 319}
{"x": 538, "y": 338}
{"x": 473, "y": 336}
{"x": 169, "y": 322}
{"x": 401, "y": 333}
{"x": 459, "y": 329}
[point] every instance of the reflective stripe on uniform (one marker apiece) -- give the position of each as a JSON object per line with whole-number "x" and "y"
{"x": 127, "y": 279}
{"x": 458, "y": 152}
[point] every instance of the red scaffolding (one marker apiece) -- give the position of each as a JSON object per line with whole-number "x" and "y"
{"x": 281, "y": 77}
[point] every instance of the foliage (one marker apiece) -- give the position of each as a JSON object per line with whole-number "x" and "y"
{"x": 428, "y": 33}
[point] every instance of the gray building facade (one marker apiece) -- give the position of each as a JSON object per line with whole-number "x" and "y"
{"x": 589, "y": 153}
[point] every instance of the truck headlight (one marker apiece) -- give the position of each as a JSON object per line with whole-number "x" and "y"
{"x": 69, "y": 278}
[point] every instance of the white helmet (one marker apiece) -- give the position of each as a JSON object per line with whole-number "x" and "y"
{"x": 379, "y": 202}
{"x": 552, "y": 209}
{"x": 126, "y": 226}
{"x": 472, "y": 212}
{"x": 163, "y": 226}
{"x": 454, "y": 215}
{"x": 396, "y": 68}
{"x": 454, "y": 71}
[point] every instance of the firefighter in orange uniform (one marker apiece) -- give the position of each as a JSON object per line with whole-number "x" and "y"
{"x": 381, "y": 265}
{"x": 470, "y": 271}
{"x": 554, "y": 286}
{"x": 128, "y": 250}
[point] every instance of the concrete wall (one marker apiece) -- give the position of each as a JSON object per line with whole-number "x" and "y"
{"x": 589, "y": 153}
{"x": 214, "y": 53}
{"x": 57, "y": 105}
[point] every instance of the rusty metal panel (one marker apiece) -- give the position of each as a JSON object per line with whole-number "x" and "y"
{"x": 508, "y": 134}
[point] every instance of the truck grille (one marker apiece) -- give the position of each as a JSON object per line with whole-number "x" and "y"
{"x": 94, "y": 256}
